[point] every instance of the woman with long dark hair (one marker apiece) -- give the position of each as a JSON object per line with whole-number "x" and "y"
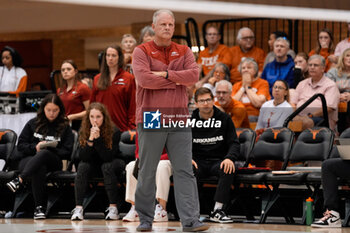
{"x": 74, "y": 94}
{"x": 99, "y": 150}
{"x": 13, "y": 78}
{"x": 325, "y": 47}
{"x": 116, "y": 88}
{"x": 44, "y": 142}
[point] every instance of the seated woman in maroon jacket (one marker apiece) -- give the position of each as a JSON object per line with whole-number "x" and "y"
{"x": 116, "y": 88}
{"x": 99, "y": 146}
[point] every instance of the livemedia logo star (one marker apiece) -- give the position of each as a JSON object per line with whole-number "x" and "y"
{"x": 151, "y": 120}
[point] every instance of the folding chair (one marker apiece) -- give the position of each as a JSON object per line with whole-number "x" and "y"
{"x": 312, "y": 144}
{"x": 273, "y": 144}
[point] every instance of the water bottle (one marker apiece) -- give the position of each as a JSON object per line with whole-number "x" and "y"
{"x": 309, "y": 211}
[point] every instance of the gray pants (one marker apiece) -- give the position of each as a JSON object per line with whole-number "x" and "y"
{"x": 178, "y": 144}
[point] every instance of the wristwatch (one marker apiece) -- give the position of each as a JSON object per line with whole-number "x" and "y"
{"x": 167, "y": 75}
{"x": 249, "y": 87}
{"x": 90, "y": 140}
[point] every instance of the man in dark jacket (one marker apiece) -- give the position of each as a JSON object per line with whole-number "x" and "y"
{"x": 215, "y": 148}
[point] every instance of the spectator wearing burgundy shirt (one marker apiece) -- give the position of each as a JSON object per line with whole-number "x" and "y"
{"x": 115, "y": 88}
{"x": 74, "y": 94}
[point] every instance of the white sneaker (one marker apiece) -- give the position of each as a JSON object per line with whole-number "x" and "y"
{"x": 219, "y": 216}
{"x": 112, "y": 213}
{"x": 77, "y": 214}
{"x": 160, "y": 214}
{"x": 330, "y": 219}
{"x": 131, "y": 216}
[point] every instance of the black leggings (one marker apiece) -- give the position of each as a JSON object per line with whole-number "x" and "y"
{"x": 208, "y": 168}
{"x": 88, "y": 170}
{"x": 331, "y": 170}
{"x": 35, "y": 168}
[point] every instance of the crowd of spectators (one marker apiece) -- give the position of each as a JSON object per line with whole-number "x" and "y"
{"x": 240, "y": 81}
{"x": 253, "y": 74}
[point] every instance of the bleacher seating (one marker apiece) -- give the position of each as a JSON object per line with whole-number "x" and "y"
{"x": 312, "y": 145}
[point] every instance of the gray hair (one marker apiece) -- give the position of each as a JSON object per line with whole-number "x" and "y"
{"x": 317, "y": 56}
{"x": 226, "y": 83}
{"x": 158, "y": 12}
{"x": 251, "y": 61}
{"x": 282, "y": 39}
{"x": 146, "y": 30}
{"x": 239, "y": 33}
{"x": 226, "y": 70}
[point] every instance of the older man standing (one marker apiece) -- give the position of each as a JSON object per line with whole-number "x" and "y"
{"x": 317, "y": 83}
{"x": 163, "y": 70}
{"x": 245, "y": 48}
{"x": 282, "y": 68}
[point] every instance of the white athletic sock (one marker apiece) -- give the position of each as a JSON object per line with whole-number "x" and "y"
{"x": 218, "y": 205}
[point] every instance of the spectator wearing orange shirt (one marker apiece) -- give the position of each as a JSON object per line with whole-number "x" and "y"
{"x": 325, "y": 47}
{"x": 252, "y": 91}
{"x": 245, "y": 48}
{"x": 214, "y": 53}
{"x": 234, "y": 108}
{"x": 220, "y": 72}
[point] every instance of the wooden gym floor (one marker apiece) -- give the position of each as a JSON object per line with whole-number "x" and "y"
{"x": 101, "y": 226}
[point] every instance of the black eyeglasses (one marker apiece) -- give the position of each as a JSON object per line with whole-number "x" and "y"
{"x": 205, "y": 101}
